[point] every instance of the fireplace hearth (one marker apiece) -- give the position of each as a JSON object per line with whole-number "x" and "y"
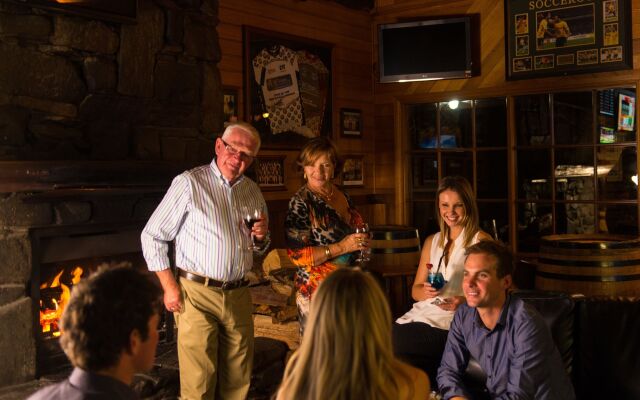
{"x": 63, "y": 256}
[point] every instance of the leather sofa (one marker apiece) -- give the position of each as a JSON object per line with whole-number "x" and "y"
{"x": 598, "y": 339}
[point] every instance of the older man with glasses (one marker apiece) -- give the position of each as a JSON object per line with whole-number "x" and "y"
{"x": 213, "y": 251}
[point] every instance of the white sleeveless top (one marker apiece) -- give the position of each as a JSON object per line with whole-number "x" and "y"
{"x": 424, "y": 311}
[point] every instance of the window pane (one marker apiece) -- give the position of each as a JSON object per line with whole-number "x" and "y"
{"x": 491, "y": 122}
{"x": 534, "y": 221}
{"x": 575, "y": 218}
{"x": 574, "y": 174}
{"x": 619, "y": 219}
{"x": 458, "y": 163}
{"x": 532, "y": 120}
{"x": 424, "y": 218}
{"x": 615, "y": 124}
{"x": 421, "y": 123}
{"x": 425, "y": 172}
{"x": 573, "y": 118}
{"x": 455, "y": 125}
{"x": 491, "y": 174}
{"x": 617, "y": 167}
{"x": 534, "y": 174}
{"x": 498, "y": 212}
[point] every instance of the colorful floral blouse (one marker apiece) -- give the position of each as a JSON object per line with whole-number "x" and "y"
{"x": 311, "y": 222}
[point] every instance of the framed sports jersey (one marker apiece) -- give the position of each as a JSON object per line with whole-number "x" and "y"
{"x": 550, "y": 38}
{"x": 287, "y": 82}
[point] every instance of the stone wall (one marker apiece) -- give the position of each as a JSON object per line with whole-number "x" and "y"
{"x": 79, "y": 91}
{"x": 73, "y": 88}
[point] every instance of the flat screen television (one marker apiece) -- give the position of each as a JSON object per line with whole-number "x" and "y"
{"x": 426, "y": 50}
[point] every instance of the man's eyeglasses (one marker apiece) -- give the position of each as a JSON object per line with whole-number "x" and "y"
{"x": 235, "y": 152}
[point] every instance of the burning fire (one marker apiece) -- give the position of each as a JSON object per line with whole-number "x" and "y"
{"x": 58, "y": 297}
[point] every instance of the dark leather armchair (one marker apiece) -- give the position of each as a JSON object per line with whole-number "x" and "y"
{"x": 598, "y": 339}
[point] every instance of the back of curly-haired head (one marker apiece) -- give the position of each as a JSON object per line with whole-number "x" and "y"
{"x": 346, "y": 351}
{"x": 103, "y": 311}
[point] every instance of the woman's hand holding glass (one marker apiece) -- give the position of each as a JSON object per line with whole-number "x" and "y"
{"x": 354, "y": 242}
{"x": 429, "y": 291}
{"x": 362, "y": 229}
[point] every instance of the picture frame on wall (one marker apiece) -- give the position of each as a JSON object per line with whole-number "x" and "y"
{"x": 269, "y": 173}
{"x": 350, "y": 122}
{"x": 230, "y": 104}
{"x": 543, "y": 39}
{"x": 353, "y": 171}
{"x": 288, "y": 95}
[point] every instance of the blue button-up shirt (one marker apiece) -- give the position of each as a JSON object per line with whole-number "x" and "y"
{"x": 518, "y": 356}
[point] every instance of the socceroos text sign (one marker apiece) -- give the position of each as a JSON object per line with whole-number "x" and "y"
{"x": 544, "y": 4}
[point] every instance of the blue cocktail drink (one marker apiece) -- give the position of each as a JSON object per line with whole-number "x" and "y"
{"x": 436, "y": 280}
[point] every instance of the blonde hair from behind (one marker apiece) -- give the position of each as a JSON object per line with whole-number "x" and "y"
{"x": 471, "y": 220}
{"x": 346, "y": 352}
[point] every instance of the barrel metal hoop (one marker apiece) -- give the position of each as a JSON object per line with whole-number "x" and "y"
{"x": 567, "y": 243}
{"x": 392, "y": 235}
{"x": 592, "y": 278}
{"x": 396, "y": 250}
{"x": 589, "y": 263}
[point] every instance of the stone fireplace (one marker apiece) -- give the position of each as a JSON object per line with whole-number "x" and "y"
{"x": 96, "y": 117}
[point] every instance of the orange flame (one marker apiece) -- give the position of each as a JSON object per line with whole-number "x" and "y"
{"x": 50, "y": 317}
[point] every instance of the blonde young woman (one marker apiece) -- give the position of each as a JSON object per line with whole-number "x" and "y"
{"x": 346, "y": 352}
{"x": 421, "y": 334}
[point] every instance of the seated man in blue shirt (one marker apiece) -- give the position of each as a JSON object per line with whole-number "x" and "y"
{"x": 508, "y": 337}
{"x": 109, "y": 333}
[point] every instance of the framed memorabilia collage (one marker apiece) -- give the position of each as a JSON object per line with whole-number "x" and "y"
{"x": 269, "y": 173}
{"x": 543, "y": 39}
{"x": 287, "y": 87}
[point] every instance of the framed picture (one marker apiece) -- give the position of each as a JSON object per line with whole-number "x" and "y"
{"x": 269, "y": 172}
{"x": 353, "y": 171}
{"x": 543, "y": 39}
{"x": 287, "y": 87}
{"x": 230, "y": 104}
{"x": 350, "y": 122}
{"x": 109, "y": 10}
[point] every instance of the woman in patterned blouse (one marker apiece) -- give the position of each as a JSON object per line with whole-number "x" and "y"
{"x": 320, "y": 222}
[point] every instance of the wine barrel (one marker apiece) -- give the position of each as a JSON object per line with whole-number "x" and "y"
{"x": 589, "y": 264}
{"x": 394, "y": 245}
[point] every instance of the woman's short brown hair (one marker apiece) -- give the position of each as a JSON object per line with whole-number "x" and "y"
{"x": 314, "y": 149}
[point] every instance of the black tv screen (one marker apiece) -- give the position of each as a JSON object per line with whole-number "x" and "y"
{"x": 425, "y": 50}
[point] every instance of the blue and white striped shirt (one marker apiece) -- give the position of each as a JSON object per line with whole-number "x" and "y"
{"x": 200, "y": 212}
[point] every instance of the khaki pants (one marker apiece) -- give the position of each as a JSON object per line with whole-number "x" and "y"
{"x": 215, "y": 342}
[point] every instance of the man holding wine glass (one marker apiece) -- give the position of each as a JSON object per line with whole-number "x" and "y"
{"x": 205, "y": 211}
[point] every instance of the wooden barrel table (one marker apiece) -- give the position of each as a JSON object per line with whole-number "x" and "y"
{"x": 590, "y": 264}
{"x": 395, "y": 253}
{"x": 395, "y": 245}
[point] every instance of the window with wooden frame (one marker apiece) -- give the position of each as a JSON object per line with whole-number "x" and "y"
{"x": 466, "y": 138}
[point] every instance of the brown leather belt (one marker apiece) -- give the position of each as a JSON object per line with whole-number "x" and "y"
{"x": 212, "y": 282}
